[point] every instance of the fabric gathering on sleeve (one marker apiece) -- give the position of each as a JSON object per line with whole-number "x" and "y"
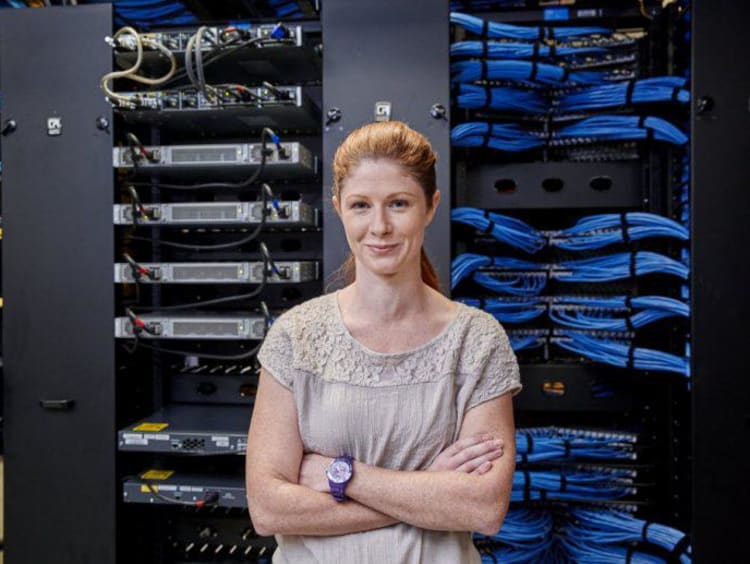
{"x": 499, "y": 372}
{"x": 276, "y": 353}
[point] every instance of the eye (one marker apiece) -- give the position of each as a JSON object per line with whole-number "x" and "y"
{"x": 400, "y": 203}
{"x": 358, "y": 205}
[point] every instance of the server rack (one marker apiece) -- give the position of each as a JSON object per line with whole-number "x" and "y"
{"x": 34, "y": 351}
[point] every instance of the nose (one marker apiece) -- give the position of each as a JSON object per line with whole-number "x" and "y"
{"x": 379, "y": 224}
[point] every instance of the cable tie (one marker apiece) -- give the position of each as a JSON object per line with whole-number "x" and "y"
{"x": 551, "y": 33}
{"x": 487, "y": 136}
{"x": 629, "y": 323}
{"x": 631, "y": 355}
{"x": 484, "y": 49}
{"x": 679, "y": 549}
{"x": 676, "y": 93}
{"x": 487, "y": 95}
{"x": 535, "y": 52}
{"x": 552, "y": 50}
{"x": 633, "y": 265}
{"x": 629, "y": 554}
{"x": 541, "y": 33}
{"x": 529, "y": 442}
{"x": 526, "y": 485}
{"x": 524, "y": 458}
{"x": 485, "y": 30}
{"x": 490, "y": 226}
{"x": 624, "y": 227}
{"x": 629, "y": 92}
{"x": 649, "y": 130}
{"x": 534, "y": 69}
{"x": 566, "y": 442}
{"x": 644, "y": 530}
{"x": 563, "y": 483}
{"x": 629, "y": 303}
{"x": 565, "y": 74}
{"x": 482, "y": 303}
{"x": 484, "y": 69}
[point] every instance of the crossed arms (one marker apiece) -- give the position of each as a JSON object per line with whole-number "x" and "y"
{"x": 466, "y": 489}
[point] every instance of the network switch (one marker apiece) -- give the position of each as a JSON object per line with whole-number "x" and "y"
{"x": 160, "y": 486}
{"x": 288, "y": 214}
{"x": 292, "y": 160}
{"x": 290, "y": 272}
{"x": 189, "y": 429}
{"x": 226, "y": 109}
{"x": 195, "y": 326}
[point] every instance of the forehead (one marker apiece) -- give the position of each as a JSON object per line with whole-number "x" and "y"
{"x": 379, "y": 175}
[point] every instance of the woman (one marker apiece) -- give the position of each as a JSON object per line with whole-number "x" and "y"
{"x": 383, "y": 408}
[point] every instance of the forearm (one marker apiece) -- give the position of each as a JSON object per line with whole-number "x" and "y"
{"x": 290, "y": 509}
{"x": 447, "y": 501}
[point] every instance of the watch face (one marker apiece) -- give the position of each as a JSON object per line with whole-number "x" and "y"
{"x": 339, "y": 472}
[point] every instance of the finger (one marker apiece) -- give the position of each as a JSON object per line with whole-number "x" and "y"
{"x": 477, "y": 450}
{"x": 483, "y": 468}
{"x": 466, "y": 442}
{"x": 470, "y": 465}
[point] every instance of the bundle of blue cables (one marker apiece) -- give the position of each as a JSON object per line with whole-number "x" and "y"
{"x": 527, "y": 72}
{"x": 508, "y": 50}
{"x": 511, "y": 137}
{"x": 148, "y": 13}
{"x": 645, "y": 91}
{"x": 584, "y": 312}
{"x": 478, "y": 26}
{"x": 566, "y": 484}
{"x": 546, "y": 444}
{"x": 530, "y": 277}
{"x": 610, "y": 526}
{"x": 526, "y": 535}
{"x": 590, "y": 232}
{"x": 586, "y": 553}
{"x": 285, "y": 8}
{"x": 618, "y": 354}
{"x": 502, "y": 98}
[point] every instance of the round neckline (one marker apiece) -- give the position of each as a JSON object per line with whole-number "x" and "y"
{"x": 344, "y": 329}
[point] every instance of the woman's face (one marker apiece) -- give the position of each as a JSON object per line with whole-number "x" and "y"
{"x": 384, "y": 212}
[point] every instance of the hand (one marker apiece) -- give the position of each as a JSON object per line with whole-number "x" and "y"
{"x": 472, "y": 455}
{"x": 312, "y": 472}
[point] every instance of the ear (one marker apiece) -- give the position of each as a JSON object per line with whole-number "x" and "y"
{"x": 336, "y": 205}
{"x": 433, "y": 209}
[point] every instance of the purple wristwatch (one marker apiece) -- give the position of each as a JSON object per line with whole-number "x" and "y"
{"x": 339, "y": 473}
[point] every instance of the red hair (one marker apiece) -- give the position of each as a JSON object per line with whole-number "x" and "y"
{"x": 395, "y": 141}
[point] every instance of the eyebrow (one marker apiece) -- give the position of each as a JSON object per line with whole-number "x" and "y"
{"x": 395, "y": 195}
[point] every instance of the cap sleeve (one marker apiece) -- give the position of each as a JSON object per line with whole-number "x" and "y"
{"x": 497, "y": 367}
{"x": 275, "y": 354}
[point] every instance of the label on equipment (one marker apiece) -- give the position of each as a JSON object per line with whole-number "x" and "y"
{"x": 157, "y": 474}
{"x": 153, "y": 427}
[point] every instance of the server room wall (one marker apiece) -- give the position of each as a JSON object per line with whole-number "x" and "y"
{"x": 590, "y": 160}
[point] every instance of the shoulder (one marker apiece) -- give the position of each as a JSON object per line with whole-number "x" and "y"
{"x": 484, "y": 338}
{"x": 315, "y": 311}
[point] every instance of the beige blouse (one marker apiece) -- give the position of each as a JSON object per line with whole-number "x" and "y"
{"x": 396, "y": 411}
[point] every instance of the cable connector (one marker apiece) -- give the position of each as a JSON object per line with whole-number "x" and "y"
{"x": 279, "y": 31}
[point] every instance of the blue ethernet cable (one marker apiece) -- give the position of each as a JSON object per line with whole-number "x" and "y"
{"x": 526, "y": 535}
{"x": 506, "y": 229}
{"x": 497, "y": 50}
{"x": 543, "y": 448}
{"x": 593, "y": 485}
{"x": 531, "y": 276}
{"x": 527, "y": 72}
{"x": 609, "y": 526}
{"x": 615, "y": 353}
{"x": 516, "y": 311}
{"x": 471, "y": 96}
{"x": 596, "y": 231}
{"x": 587, "y": 553}
{"x": 512, "y": 137}
{"x": 507, "y": 31}
{"x": 645, "y": 91}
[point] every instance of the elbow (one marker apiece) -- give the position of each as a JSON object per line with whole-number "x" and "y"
{"x": 261, "y": 521}
{"x": 491, "y": 520}
{"x": 493, "y": 508}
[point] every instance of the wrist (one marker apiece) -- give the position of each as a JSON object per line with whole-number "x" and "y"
{"x": 339, "y": 473}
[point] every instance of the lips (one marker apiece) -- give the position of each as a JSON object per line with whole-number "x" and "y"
{"x": 381, "y": 249}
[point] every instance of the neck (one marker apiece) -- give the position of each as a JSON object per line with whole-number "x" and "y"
{"x": 385, "y": 299}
